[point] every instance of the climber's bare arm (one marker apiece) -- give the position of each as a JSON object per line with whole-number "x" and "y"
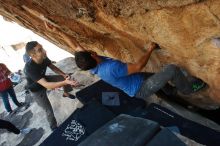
{"x": 138, "y": 66}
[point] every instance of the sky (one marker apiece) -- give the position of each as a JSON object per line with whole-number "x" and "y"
{"x": 12, "y": 33}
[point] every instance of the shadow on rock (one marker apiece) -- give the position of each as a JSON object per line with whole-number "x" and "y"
{"x": 22, "y": 121}
{"x": 4, "y": 143}
{"x": 32, "y": 138}
{"x": 28, "y": 97}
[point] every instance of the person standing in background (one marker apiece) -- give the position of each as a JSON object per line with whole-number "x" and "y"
{"x": 6, "y": 88}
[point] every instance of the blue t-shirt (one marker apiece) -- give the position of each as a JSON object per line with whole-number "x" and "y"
{"x": 115, "y": 73}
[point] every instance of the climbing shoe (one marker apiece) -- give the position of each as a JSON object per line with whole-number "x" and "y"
{"x": 169, "y": 90}
{"x": 69, "y": 96}
{"x": 198, "y": 84}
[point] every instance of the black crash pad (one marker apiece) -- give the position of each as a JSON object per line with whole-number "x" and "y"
{"x": 165, "y": 138}
{"x": 126, "y": 130}
{"x": 199, "y": 133}
{"x": 96, "y": 91}
{"x": 83, "y": 122}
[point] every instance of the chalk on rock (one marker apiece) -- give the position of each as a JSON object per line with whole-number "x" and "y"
{"x": 216, "y": 42}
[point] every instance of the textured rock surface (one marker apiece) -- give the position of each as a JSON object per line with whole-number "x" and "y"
{"x": 120, "y": 28}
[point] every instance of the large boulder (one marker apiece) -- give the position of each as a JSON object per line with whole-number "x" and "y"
{"x": 184, "y": 29}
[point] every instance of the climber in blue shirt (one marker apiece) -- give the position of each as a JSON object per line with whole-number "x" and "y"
{"x": 128, "y": 76}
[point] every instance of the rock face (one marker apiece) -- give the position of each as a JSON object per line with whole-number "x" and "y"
{"x": 184, "y": 29}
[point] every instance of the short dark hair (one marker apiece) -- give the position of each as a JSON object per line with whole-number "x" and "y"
{"x": 84, "y": 60}
{"x": 30, "y": 46}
